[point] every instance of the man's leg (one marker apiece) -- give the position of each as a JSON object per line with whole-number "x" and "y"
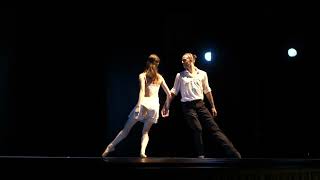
{"x": 208, "y": 122}
{"x": 192, "y": 118}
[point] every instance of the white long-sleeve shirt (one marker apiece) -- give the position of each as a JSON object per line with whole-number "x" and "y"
{"x": 192, "y": 87}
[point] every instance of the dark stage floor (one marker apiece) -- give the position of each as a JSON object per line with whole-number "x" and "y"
{"x": 161, "y": 167}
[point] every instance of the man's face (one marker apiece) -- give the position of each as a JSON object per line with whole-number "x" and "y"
{"x": 186, "y": 61}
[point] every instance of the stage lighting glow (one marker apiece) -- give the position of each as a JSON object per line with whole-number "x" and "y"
{"x": 208, "y": 56}
{"x": 292, "y": 52}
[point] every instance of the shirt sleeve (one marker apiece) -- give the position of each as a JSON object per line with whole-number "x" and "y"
{"x": 176, "y": 87}
{"x": 205, "y": 84}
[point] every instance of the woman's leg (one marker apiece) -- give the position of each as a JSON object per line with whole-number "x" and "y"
{"x": 145, "y": 138}
{"x": 121, "y": 135}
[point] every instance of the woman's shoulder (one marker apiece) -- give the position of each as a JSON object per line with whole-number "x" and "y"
{"x": 161, "y": 79}
{"x": 160, "y": 76}
{"x": 142, "y": 75}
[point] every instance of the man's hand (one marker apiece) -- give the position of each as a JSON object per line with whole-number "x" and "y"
{"x": 214, "y": 112}
{"x": 165, "y": 111}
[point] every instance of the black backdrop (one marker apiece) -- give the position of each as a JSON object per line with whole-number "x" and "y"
{"x": 70, "y": 78}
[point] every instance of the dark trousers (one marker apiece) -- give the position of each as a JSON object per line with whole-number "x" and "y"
{"x": 198, "y": 117}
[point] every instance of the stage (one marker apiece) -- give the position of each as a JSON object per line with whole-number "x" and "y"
{"x": 161, "y": 167}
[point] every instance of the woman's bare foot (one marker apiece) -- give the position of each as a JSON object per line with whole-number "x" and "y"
{"x": 109, "y": 149}
{"x": 143, "y": 155}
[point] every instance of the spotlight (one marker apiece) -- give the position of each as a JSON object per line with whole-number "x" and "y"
{"x": 208, "y": 56}
{"x": 292, "y": 52}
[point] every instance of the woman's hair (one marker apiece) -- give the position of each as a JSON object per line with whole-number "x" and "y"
{"x": 152, "y": 68}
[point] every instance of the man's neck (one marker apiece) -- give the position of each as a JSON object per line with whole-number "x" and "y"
{"x": 192, "y": 69}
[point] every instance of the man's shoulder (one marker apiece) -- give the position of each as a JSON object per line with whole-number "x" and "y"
{"x": 201, "y": 71}
{"x": 182, "y": 73}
